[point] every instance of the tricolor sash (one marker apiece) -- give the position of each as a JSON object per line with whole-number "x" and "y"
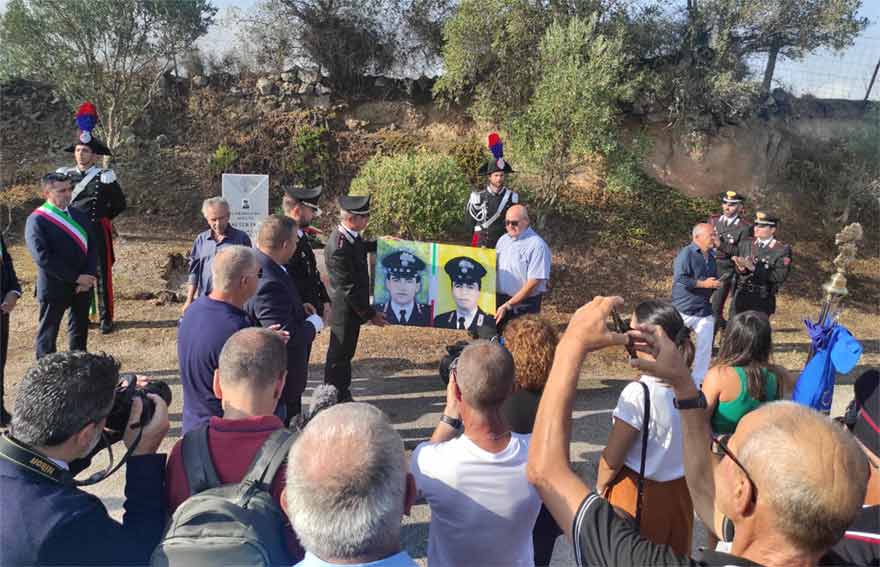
{"x": 66, "y": 223}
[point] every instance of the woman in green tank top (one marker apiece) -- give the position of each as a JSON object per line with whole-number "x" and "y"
{"x": 743, "y": 378}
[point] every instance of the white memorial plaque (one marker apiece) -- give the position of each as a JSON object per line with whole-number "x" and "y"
{"x": 248, "y": 197}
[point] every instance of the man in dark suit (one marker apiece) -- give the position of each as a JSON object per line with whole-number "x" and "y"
{"x": 277, "y": 302}
{"x": 10, "y": 291}
{"x": 730, "y": 229}
{"x": 61, "y": 408}
{"x": 346, "y": 257}
{"x": 97, "y": 194}
{"x": 403, "y": 280}
{"x": 59, "y": 240}
{"x": 466, "y": 275}
{"x": 301, "y": 205}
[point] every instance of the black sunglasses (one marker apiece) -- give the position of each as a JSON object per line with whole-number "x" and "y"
{"x": 721, "y": 449}
{"x": 513, "y": 223}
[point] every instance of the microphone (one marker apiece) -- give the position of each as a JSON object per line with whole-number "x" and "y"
{"x": 323, "y": 397}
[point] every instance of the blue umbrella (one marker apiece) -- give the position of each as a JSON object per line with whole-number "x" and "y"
{"x": 835, "y": 351}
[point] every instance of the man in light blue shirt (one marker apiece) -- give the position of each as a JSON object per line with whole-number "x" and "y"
{"x": 523, "y": 260}
{"x": 207, "y": 244}
{"x": 348, "y": 488}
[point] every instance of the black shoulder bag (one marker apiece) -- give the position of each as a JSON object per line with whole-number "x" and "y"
{"x": 641, "y": 482}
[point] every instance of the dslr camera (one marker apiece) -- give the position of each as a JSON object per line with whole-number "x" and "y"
{"x": 126, "y": 391}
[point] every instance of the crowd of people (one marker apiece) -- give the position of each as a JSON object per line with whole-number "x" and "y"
{"x": 258, "y": 480}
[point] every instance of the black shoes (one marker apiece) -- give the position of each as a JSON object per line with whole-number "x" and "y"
{"x": 106, "y": 327}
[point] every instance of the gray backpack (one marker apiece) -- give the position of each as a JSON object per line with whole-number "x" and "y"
{"x": 232, "y": 524}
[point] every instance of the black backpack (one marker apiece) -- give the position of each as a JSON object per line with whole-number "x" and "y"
{"x": 232, "y": 524}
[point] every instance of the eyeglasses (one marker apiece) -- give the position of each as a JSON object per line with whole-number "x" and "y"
{"x": 513, "y": 223}
{"x": 720, "y": 449}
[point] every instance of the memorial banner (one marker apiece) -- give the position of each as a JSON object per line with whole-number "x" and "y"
{"x": 248, "y": 197}
{"x": 435, "y": 285}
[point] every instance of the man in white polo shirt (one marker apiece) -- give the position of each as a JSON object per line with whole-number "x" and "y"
{"x": 483, "y": 509}
{"x": 523, "y": 260}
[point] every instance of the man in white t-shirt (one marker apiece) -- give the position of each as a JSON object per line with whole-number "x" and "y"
{"x": 482, "y": 507}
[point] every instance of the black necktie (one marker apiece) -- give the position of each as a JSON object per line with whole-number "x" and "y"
{"x": 402, "y": 318}
{"x": 461, "y": 322}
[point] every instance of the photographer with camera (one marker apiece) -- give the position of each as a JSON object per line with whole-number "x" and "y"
{"x": 61, "y": 409}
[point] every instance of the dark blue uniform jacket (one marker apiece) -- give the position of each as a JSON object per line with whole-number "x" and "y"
{"x": 47, "y": 523}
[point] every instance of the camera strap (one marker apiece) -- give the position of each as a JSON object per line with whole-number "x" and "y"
{"x": 20, "y": 454}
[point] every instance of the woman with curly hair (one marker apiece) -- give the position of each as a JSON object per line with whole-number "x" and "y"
{"x": 667, "y": 513}
{"x": 532, "y": 342}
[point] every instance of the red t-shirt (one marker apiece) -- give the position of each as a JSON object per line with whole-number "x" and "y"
{"x": 233, "y": 444}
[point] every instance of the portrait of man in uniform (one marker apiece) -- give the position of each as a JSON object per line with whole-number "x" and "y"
{"x": 466, "y": 279}
{"x": 403, "y": 283}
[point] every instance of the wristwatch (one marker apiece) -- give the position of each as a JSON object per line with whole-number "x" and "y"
{"x": 698, "y": 402}
{"x": 451, "y": 422}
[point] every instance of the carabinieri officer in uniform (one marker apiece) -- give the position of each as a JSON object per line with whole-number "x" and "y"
{"x": 403, "y": 281}
{"x": 347, "y": 266}
{"x": 486, "y": 208}
{"x": 762, "y": 266}
{"x": 730, "y": 229}
{"x": 301, "y": 205}
{"x": 97, "y": 194}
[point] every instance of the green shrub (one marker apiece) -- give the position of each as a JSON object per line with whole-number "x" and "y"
{"x": 224, "y": 157}
{"x": 308, "y": 156}
{"x": 415, "y": 195}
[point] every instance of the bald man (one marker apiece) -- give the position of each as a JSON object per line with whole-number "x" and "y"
{"x": 523, "y": 260}
{"x": 694, "y": 278}
{"x": 789, "y": 480}
{"x": 207, "y": 324}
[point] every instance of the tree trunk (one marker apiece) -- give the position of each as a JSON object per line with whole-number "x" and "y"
{"x": 769, "y": 69}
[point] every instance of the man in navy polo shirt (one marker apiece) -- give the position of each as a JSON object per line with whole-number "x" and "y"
{"x": 207, "y": 325}
{"x": 695, "y": 277}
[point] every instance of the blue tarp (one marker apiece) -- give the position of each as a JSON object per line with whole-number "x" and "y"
{"x": 836, "y": 351}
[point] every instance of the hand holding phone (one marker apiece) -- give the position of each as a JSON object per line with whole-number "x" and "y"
{"x": 622, "y": 327}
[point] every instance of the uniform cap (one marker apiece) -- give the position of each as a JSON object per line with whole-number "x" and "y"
{"x": 403, "y": 263}
{"x": 86, "y": 120}
{"x": 306, "y": 196}
{"x": 359, "y": 205}
{"x": 766, "y": 219}
{"x": 497, "y": 163}
{"x": 732, "y": 198}
{"x": 464, "y": 270}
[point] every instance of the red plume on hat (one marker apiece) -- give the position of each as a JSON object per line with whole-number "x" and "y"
{"x": 496, "y": 146}
{"x": 86, "y": 120}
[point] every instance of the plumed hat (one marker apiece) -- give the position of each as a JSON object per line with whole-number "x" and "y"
{"x": 86, "y": 120}
{"x": 497, "y": 163}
